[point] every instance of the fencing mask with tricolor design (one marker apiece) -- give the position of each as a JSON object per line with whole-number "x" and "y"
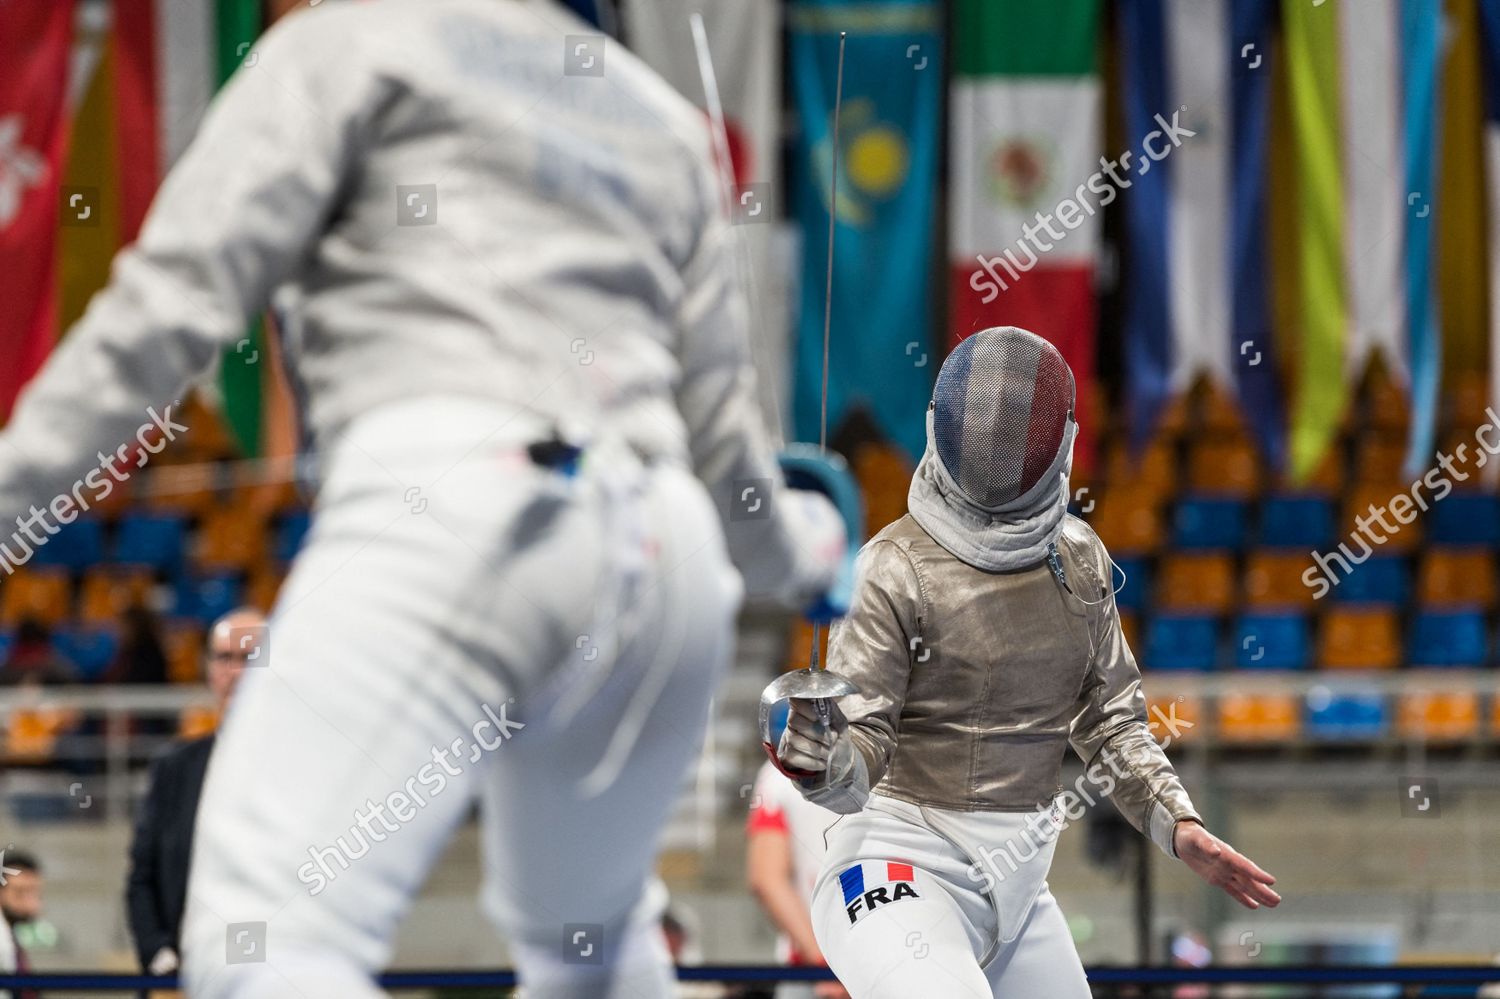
{"x": 992, "y": 487}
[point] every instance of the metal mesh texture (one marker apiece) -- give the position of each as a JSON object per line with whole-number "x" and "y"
{"x": 1000, "y": 411}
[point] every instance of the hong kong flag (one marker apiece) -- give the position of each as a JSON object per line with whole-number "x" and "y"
{"x": 35, "y": 40}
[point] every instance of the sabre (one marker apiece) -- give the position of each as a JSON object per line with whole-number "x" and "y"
{"x": 816, "y": 683}
{"x": 714, "y": 104}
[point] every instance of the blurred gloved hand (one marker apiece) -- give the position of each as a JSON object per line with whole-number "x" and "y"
{"x": 164, "y": 962}
{"x": 810, "y": 469}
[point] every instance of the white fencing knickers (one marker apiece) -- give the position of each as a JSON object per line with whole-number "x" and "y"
{"x": 463, "y": 623}
{"x": 918, "y": 902}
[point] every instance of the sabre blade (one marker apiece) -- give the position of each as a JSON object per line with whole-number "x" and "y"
{"x": 719, "y": 127}
{"x": 815, "y": 656}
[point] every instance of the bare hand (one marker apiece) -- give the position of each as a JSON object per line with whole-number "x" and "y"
{"x": 1222, "y": 866}
{"x": 829, "y": 990}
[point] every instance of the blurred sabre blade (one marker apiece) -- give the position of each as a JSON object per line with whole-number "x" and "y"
{"x": 724, "y": 157}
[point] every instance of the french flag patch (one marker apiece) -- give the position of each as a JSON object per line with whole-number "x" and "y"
{"x": 872, "y": 884}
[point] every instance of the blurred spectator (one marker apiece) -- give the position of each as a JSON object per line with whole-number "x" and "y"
{"x": 784, "y": 854}
{"x": 141, "y": 658}
{"x": 20, "y": 903}
{"x": 156, "y": 890}
{"x": 33, "y": 658}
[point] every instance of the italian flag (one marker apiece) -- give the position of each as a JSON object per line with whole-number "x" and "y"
{"x": 1026, "y": 136}
{"x": 170, "y": 58}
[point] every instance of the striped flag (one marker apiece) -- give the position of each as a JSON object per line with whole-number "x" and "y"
{"x": 171, "y": 57}
{"x": 35, "y": 48}
{"x": 1026, "y": 138}
{"x": 1364, "y": 78}
{"x": 1197, "y": 296}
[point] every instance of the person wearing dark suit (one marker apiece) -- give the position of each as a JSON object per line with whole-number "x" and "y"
{"x": 156, "y": 889}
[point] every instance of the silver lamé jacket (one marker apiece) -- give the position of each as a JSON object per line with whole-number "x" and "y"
{"x": 974, "y": 683}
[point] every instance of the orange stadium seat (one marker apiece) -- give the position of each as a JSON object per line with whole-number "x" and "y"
{"x": 1196, "y": 581}
{"x": 1326, "y": 479}
{"x": 1385, "y": 404}
{"x": 1273, "y": 580}
{"x": 1259, "y": 718}
{"x": 1359, "y": 638}
{"x": 1466, "y": 457}
{"x": 1456, "y": 577}
{"x": 1174, "y": 719}
{"x": 1468, "y": 397}
{"x": 192, "y": 490}
{"x": 106, "y": 594}
{"x": 1128, "y": 520}
{"x": 262, "y": 588}
{"x": 1152, "y": 471}
{"x": 1130, "y": 627}
{"x": 31, "y": 733}
{"x": 1219, "y": 413}
{"x": 1438, "y": 716}
{"x": 1224, "y": 467}
{"x": 1175, "y": 418}
{"x": 184, "y": 647}
{"x": 197, "y": 721}
{"x": 231, "y": 538}
{"x": 44, "y": 595}
{"x": 884, "y": 478}
{"x": 1364, "y": 495}
{"x": 1378, "y": 459}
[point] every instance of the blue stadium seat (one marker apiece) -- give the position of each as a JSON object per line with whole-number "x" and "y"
{"x": 1209, "y": 523}
{"x": 1448, "y": 638}
{"x": 7, "y": 640}
{"x": 291, "y": 529}
{"x": 1465, "y": 519}
{"x": 156, "y": 540}
{"x": 77, "y": 546}
{"x": 1181, "y": 642}
{"x": 90, "y": 650}
{"x": 1272, "y": 641}
{"x": 1346, "y": 715}
{"x": 1296, "y": 522}
{"x": 206, "y": 598}
{"x": 1137, "y": 589}
{"x": 1380, "y": 579}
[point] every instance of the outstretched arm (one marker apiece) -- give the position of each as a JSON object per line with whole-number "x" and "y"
{"x": 233, "y": 219}
{"x": 1110, "y": 732}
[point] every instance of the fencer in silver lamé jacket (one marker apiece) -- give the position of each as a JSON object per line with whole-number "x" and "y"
{"x": 974, "y": 683}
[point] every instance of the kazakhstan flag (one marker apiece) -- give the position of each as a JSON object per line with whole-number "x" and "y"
{"x": 880, "y": 355}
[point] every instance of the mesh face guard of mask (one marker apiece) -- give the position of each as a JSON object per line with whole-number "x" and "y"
{"x": 1001, "y": 409}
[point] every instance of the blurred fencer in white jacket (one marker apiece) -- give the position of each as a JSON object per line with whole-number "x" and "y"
{"x": 521, "y": 359}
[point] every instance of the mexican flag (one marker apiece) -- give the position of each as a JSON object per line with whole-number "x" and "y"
{"x": 1026, "y": 139}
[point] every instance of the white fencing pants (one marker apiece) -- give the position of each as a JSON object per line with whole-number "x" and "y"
{"x": 901, "y": 911}
{"x": 464, "y": 625}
